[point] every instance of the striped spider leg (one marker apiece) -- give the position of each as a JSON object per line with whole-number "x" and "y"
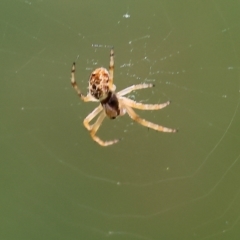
{"x": 129, "y": 104}
{"x": 112, "y": 104}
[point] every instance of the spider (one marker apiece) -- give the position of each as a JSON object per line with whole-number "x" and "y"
{"x": 113, "y": 104}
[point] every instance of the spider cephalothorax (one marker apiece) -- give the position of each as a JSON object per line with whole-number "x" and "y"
{"x": 112, "y": 105}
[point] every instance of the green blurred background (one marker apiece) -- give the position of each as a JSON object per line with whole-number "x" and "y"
{"x": 56, "y": 183}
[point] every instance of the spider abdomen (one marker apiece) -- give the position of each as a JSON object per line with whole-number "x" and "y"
{"x": 112, "y": 104}
{"x": 99, "y": 83}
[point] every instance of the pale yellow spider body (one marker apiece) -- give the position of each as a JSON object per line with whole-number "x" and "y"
{"x": 112, "y": 104}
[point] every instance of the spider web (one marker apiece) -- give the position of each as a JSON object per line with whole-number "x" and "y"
{"x": 57, "y": 183}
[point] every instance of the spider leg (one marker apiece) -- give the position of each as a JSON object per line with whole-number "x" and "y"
{"x": 146, "y": 123}
{"x": 87, "y": 98}
{"x": 142, "y": 106}
{"x": 133, "y": 88}
{"x": 94, "y": 129}
{"x": 111, "y": 70}
{"x": 91, "y": 116}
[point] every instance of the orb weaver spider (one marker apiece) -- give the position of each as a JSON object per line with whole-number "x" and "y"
{"x": 113, "y": 104}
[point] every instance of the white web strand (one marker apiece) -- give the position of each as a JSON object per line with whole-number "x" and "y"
{"x": 161, "y": 177}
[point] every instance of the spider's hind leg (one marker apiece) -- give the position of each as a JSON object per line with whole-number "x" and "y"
{"x": 87, "y": 98}
{"x": 111, "y": 70}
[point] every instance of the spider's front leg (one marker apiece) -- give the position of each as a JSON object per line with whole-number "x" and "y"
{"x": 87, "y": 98}
{"x": 94, "y": 127}
{"x": 91, "y": 116}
